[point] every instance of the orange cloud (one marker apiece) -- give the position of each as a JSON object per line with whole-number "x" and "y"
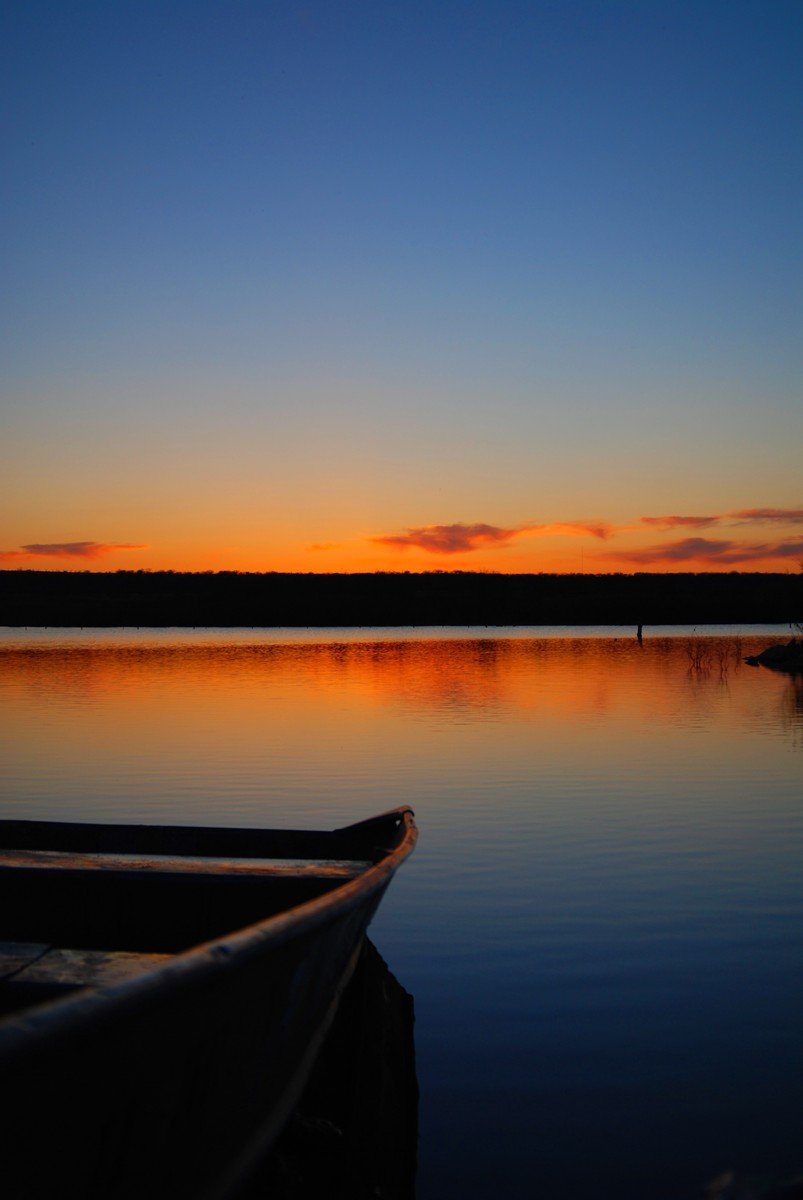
{"x": 793, "y": 516}
{"x": 461, "y": 539}
{"x": 67, "y": 550}
{"x": 674, "y": 522}
{"x": 598, "y": 529}
{"x": 706, "y": 550}
{"x": 448, "y": 539}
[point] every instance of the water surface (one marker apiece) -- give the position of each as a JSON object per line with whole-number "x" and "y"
{"x": 603, "y": 923}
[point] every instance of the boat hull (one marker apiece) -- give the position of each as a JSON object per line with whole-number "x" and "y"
{"x": 174, "y": 1084}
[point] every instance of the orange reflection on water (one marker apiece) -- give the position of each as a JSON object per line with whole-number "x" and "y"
{"x": 230, "y": 724}
{"x": 485, "y": 674}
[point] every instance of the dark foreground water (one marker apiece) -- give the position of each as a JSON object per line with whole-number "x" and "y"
{"x": 603, "y": 923}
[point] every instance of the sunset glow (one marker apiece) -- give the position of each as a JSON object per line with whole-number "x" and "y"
{"x": 754, "y": 540}
{"x": 504, "y": 287}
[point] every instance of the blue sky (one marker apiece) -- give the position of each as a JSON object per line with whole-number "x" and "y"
{"x": 426, "y": 264}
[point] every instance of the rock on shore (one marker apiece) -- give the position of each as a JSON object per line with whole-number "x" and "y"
{"x": 780, "y": 658}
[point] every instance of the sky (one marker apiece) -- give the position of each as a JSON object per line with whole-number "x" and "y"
{"x": 401, "y": 286}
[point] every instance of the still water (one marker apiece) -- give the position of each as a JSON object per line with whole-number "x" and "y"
{"x": 603, "y": 923}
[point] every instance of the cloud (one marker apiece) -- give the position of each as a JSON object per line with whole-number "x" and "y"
{"x": 681, "y": 551}
{"x": 598, "y": 529}
{"x": 674, "y": 522}
{"x": 449, "y": 539}
{"x": 323, "y": 546}
{"x": 706, "y": 550}
{"x": 791, "y": 516}
{"x": 67, "y": 550}
{"x": 461, "y": 539}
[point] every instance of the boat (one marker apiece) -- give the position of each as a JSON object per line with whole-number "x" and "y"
{"x": 165, "y": 991}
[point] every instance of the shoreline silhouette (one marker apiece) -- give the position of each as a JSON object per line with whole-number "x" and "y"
{"x": 276, "y": 599}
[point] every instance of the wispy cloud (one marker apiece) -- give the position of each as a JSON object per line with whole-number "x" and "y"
{"x": 448, "y": 539}
{"x": 462, "y": 539}
{"x": 725, "y": 552}
{"x": 323, "y": 546}
{"x": 675, "y": 522}
{"x": 597, "y": 529}
{"x": 790, "y": 516}
{"x": 742, "y": 516}
{"x": 67, "y": 550}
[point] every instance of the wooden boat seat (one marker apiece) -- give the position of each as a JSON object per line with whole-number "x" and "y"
{"x": 338, "y": 870}
{"x": 37, "y": 962}
{"x": 146, "y": 901}
{"x": 164, "y": 889}
{"x": 355, "y": 842}
{"x": 33, "y": 973}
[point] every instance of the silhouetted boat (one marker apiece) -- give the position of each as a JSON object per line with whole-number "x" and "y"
{"x": 354, "y": 1132}
{"x": 165, "y": 991}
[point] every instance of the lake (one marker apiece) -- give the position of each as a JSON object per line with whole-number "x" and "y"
{"x": 602, "y": 925}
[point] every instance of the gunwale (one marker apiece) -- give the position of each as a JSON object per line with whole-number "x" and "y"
{"x": 44, "y": 1027}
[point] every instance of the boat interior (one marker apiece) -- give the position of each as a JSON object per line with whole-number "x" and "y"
{"x": 85, "y": 906}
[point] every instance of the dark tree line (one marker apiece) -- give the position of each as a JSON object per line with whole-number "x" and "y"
{"x": 226, "y": 598}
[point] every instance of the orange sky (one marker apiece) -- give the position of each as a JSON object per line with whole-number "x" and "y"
{"x": 757, "y": 538}
{"x": 357, "y": 289}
